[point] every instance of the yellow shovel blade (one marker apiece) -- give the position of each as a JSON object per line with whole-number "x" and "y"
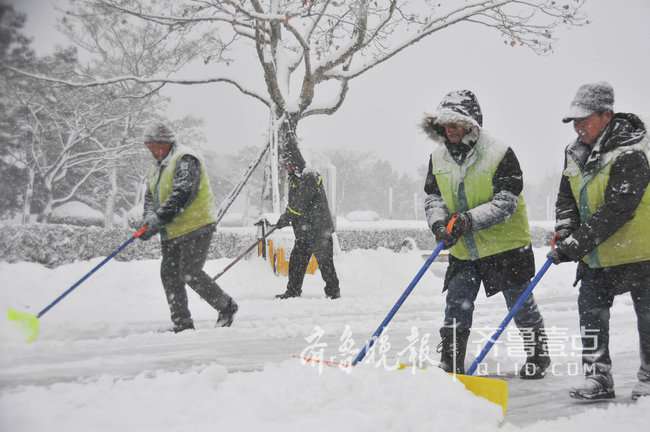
{"x": 494, "y": 390}
{"x": 27, "y": 322}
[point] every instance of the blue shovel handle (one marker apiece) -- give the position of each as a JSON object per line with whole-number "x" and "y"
{"x": 520, "y": 302}
{"x": 87, "y": 275}
{"x": 397, "y": 305}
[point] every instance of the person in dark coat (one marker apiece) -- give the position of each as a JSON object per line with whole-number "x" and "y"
{"x": 309, "y": 215}
{"x": 179, "y": 206}
{"x": 603, "y": 222}
{"x": 476, "y": 179}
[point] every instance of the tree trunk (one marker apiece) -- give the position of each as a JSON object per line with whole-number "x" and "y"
{"x": 274, "y": 165}
{"x": 44, "y": 216}
{"x": 29, "y": 193}
{"x": 109, "y": 209}
{"x": 134, "y": 214}
{"x": 282, "y": 128}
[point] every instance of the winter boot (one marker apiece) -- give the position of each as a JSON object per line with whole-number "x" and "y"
{"x": 537, "y": 360}
{"x": 332, "y": 294}
{"x": 287, "y": 294}
{"x": 227, "y": 315}
{"x": 596, "y": 387}
{"x": 642, "y": 387}
{"x": 182, "y": 326}
{"x": 453, "y": 353}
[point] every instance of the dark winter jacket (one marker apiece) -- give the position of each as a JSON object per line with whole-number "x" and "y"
{"x": 628, "y": 179}
{"x": 498, "y": 272}
{"x": 184, "y": 189}
{"x": 308, "y": 209}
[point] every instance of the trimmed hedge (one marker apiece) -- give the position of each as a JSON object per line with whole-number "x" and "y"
{"x": 54, "y": 245}
{"x": 396, "y": 239}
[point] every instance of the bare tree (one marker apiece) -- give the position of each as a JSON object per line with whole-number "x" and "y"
{"x": 121, "y": 45}
{"x": 309, "y": 51}
{"x": 63, "y": 148}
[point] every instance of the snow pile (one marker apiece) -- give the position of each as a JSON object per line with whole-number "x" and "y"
{"x": 78, "y": 213}
{"x": 283, "y": 397}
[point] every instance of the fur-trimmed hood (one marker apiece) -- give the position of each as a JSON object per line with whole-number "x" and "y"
{"x": 458, "y": 106}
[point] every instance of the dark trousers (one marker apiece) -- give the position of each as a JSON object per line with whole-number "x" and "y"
{"x": 182, "y": 263}
{"x": 321, "y": 247}
{"x": 461, "y": 294}
{"x": 597, "y": 292}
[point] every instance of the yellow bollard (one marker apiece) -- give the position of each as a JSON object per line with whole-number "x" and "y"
{"x": 270, "y": 253}
{"x": 283, "y": 264}
{"x": 279, "y": 262}
{"x": 313, "y": 265}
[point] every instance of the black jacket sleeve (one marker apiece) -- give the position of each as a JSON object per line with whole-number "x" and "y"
{"x": 567, "y": 216}
{"x": 430, "y": 184}
{"x": 185, "y": 186}
{"x": 507, "y": 184}
{"x": 508, "y": 176}
{"x": 435, "y": 209}
{"x": 628, "y": 180}
{"x": 148, "y": 203}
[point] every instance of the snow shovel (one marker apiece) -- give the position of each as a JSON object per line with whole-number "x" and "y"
{"x": 518, "y": 304}
{"x": 236, "y": 260}
{"x": 496, "y": 390}
{"x": 405, "y": 294}
{"x": 362, "y": 353}
{"x": 29, "y": 323}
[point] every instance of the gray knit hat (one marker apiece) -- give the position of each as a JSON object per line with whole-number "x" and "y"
{"x": 591, "y": 98}
{"x": 160, "y": 133}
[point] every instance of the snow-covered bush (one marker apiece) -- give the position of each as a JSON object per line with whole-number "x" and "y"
{"x": 54, "y": 245}
{"x": 76, "y": 213}
{"x": 362, "y": 216}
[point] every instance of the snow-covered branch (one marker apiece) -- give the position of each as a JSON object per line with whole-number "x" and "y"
{"x": 109, "y": 81}
{"x": 330, "y": 107}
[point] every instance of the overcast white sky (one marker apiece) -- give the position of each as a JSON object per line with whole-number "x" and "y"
{"x": 523, "y": 96}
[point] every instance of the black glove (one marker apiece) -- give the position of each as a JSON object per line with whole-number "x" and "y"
{"x": 462, "y": 225}
{"x": 153, "y": 226}
{"x": 558, "y": 236}
{"x": 283, "y": 221}
{"x": 557, "y": 257}
{"x": 563, "y": 252}
{"x": 440, "y": 232}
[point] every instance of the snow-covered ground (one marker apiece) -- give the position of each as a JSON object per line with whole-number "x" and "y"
{"x": 101, "y": 362}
